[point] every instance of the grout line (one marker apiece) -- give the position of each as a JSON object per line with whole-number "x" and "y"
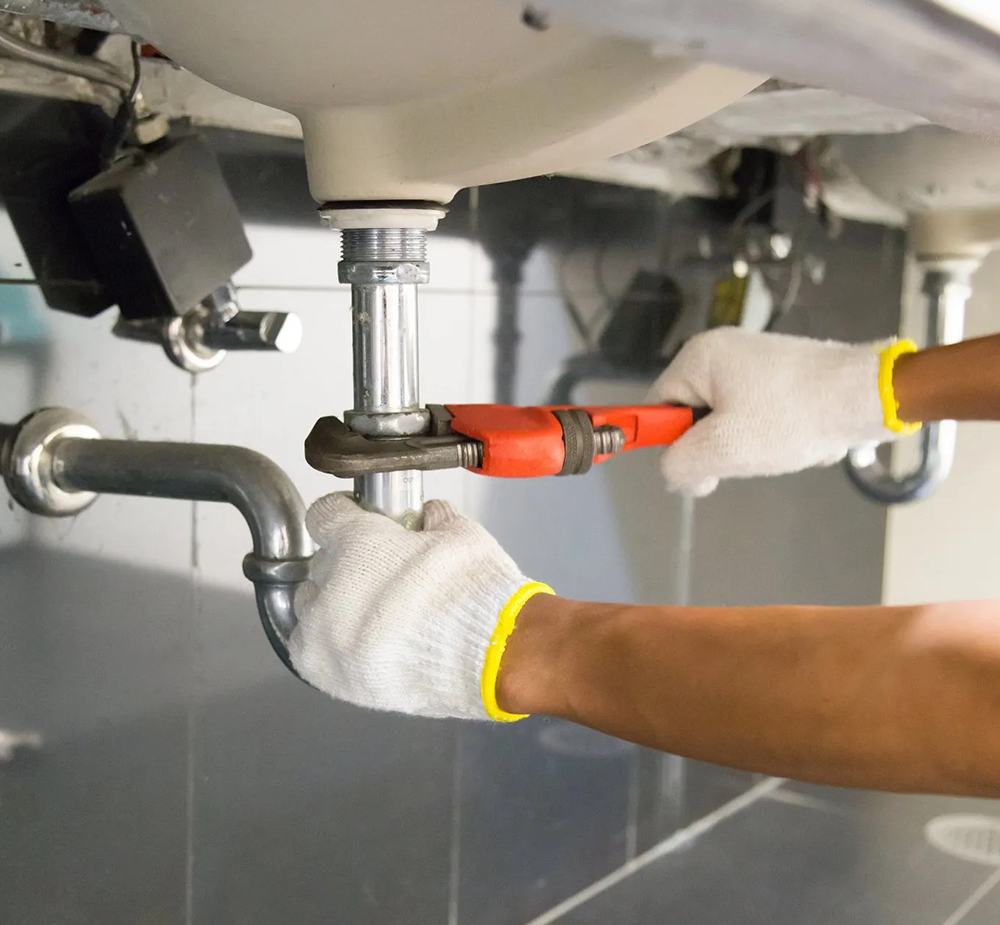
{"x": 189, "y": 770}
{"x": 454, "y": 856}
{"x": 426, "y": 289}
{"x": 632, "y": 805}
{"x": 189, "y": 819}
{"x": 685, "y": 552}
{"x": 791, "y": 798}
{"x": 678, "y": 840}
{"x": 962, "y": 911}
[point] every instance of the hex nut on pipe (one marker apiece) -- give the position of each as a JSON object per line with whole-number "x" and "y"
{"x": 376, "y": 274}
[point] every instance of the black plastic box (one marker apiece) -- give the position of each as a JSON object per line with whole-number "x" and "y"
{"x": 162, "y": 227}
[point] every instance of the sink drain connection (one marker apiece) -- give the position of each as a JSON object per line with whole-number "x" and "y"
{"x": 967, "y": 836}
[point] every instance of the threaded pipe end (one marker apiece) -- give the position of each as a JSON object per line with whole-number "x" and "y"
{"x": 403, "y": 245}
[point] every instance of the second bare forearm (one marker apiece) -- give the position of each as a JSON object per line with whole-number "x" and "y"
{"x": 959, "y": 382}
{"x": 865, "y": 697}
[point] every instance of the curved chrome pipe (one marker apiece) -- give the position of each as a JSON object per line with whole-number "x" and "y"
{"x": 947, "y": 289}
{"x": 874, "y": 479}
{"x": 49, "y": 458}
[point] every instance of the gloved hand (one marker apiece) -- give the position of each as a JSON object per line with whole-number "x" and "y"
{"x": 414, "y": 622}
{"x": 779, "y": 404}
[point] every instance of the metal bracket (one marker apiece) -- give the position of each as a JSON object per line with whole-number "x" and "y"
{"x": 198, "y": 340}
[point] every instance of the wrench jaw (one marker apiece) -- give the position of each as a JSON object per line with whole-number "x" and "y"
{"x": 334, "y": 448}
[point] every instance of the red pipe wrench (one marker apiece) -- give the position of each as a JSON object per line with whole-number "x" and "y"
{"x": 496, "y": 440}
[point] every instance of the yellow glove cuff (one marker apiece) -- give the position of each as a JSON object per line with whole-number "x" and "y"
{"x": 890, "y": 407}
{"x": 497, "y": 646}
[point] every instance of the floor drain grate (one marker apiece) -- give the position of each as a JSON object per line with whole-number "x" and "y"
{"x": 966, "y": 836}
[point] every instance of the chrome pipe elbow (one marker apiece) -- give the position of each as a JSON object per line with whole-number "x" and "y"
{"x": 874, "y": 479}
{"x": 55, "y": 463}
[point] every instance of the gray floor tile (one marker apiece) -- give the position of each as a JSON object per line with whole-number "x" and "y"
{"x": 93, "y": 822}
{"x": 781, "y": 864}
{"x": 544, "y": 811}
{"x": 674, "y": 792}
{"x": 983, "y": 908}
{"x": 902, "y": 814}
{"x": 307, "y": 810}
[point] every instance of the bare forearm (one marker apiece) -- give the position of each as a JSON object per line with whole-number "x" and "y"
{"x": 903, "y": 699}
{"x": 960, "y": 382}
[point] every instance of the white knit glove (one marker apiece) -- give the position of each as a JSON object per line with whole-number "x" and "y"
{"x": 778, "y": 404}
{"x": 399, "y": 620}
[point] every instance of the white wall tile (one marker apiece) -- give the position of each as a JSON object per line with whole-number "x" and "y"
{"x": 452, "y": 262}
{"x": 127, "y": 390}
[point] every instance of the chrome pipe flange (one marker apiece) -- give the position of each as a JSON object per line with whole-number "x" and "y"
{"x": 31, "y": 468}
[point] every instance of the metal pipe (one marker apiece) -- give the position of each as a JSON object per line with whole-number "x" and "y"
{"x": 76, "y": 65}
{"x": 384, "y": 266}
{"x": 386, "y": 378}
{"x": 42, "y": 463}
{"x": 252, "y": 483}
{"x": 947, "y": 290}
{"x": 507, "y": 336}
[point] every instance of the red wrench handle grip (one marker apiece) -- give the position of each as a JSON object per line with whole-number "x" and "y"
{"x": 528, "y": 442}
{"x": 518, "y": 443}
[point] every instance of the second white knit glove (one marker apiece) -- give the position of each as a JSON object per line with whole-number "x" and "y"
{"x": 778, "y": 404}
{"x": 406, "y": 621}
